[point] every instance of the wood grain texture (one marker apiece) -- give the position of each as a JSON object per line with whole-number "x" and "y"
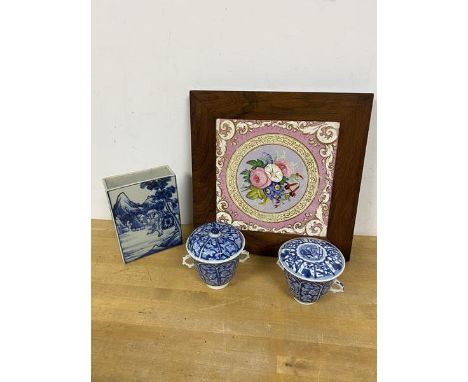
{"x": 154, "y": 320}
{"x": 352, "y": 110}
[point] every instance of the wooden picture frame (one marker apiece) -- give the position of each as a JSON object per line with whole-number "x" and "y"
{"x": 351, "y": 110}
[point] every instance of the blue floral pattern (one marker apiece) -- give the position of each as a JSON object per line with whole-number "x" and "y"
{"x": 307, "y": 291}
{"x": 215, "y": 242}
{"x": 217, "y": 274}
{"x": 311, "y": 259}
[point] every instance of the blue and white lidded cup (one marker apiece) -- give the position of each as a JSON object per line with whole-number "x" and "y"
{"x": 215, "y": 249}
{"x": 311, "y": 267}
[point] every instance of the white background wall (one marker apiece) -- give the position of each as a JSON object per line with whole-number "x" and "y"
{"x": 148, "y": 54}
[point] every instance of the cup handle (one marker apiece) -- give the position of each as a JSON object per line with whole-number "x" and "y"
{"x": 246, "y": 256}
{"x": 279, "y": 264}
{"x": 337, "y": 287}
{"x": 187, "y": 264}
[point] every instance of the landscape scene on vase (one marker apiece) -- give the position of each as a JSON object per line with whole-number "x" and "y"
{"x": 151, "y": 221}
{"x": 272, "y": 180}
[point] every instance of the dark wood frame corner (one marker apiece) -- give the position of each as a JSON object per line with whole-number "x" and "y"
{"x": 352, "y": 110}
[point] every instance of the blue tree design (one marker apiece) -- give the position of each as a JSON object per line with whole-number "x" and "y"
{"x": 163, "y": 199}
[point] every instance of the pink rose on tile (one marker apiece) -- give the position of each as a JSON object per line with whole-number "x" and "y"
{"x": 285, "y": 169}
{"x": 259, "y": 178}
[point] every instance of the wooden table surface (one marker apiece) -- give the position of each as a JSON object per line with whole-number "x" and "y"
{"x": 154, "y": 320}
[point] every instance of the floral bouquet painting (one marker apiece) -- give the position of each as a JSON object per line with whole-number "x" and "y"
{"x": 271, "y": 179}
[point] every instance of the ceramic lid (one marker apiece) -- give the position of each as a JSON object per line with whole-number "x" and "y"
{"x": 311, "y": 259}
{"x": 215, "y": 242}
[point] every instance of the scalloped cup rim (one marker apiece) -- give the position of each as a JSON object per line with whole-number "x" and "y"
{"x": 329, "y": 278}
{"x": 237, "y": 254}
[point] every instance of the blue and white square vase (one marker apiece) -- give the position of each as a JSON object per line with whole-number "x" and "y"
{"x": 145, "y": 211}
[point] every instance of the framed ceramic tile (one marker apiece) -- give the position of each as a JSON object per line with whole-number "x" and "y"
{"x": 279, "y": 165}
{"x": 274, "y": 175}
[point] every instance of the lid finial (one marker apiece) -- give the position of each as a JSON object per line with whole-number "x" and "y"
{"x": 214, "y": 232}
